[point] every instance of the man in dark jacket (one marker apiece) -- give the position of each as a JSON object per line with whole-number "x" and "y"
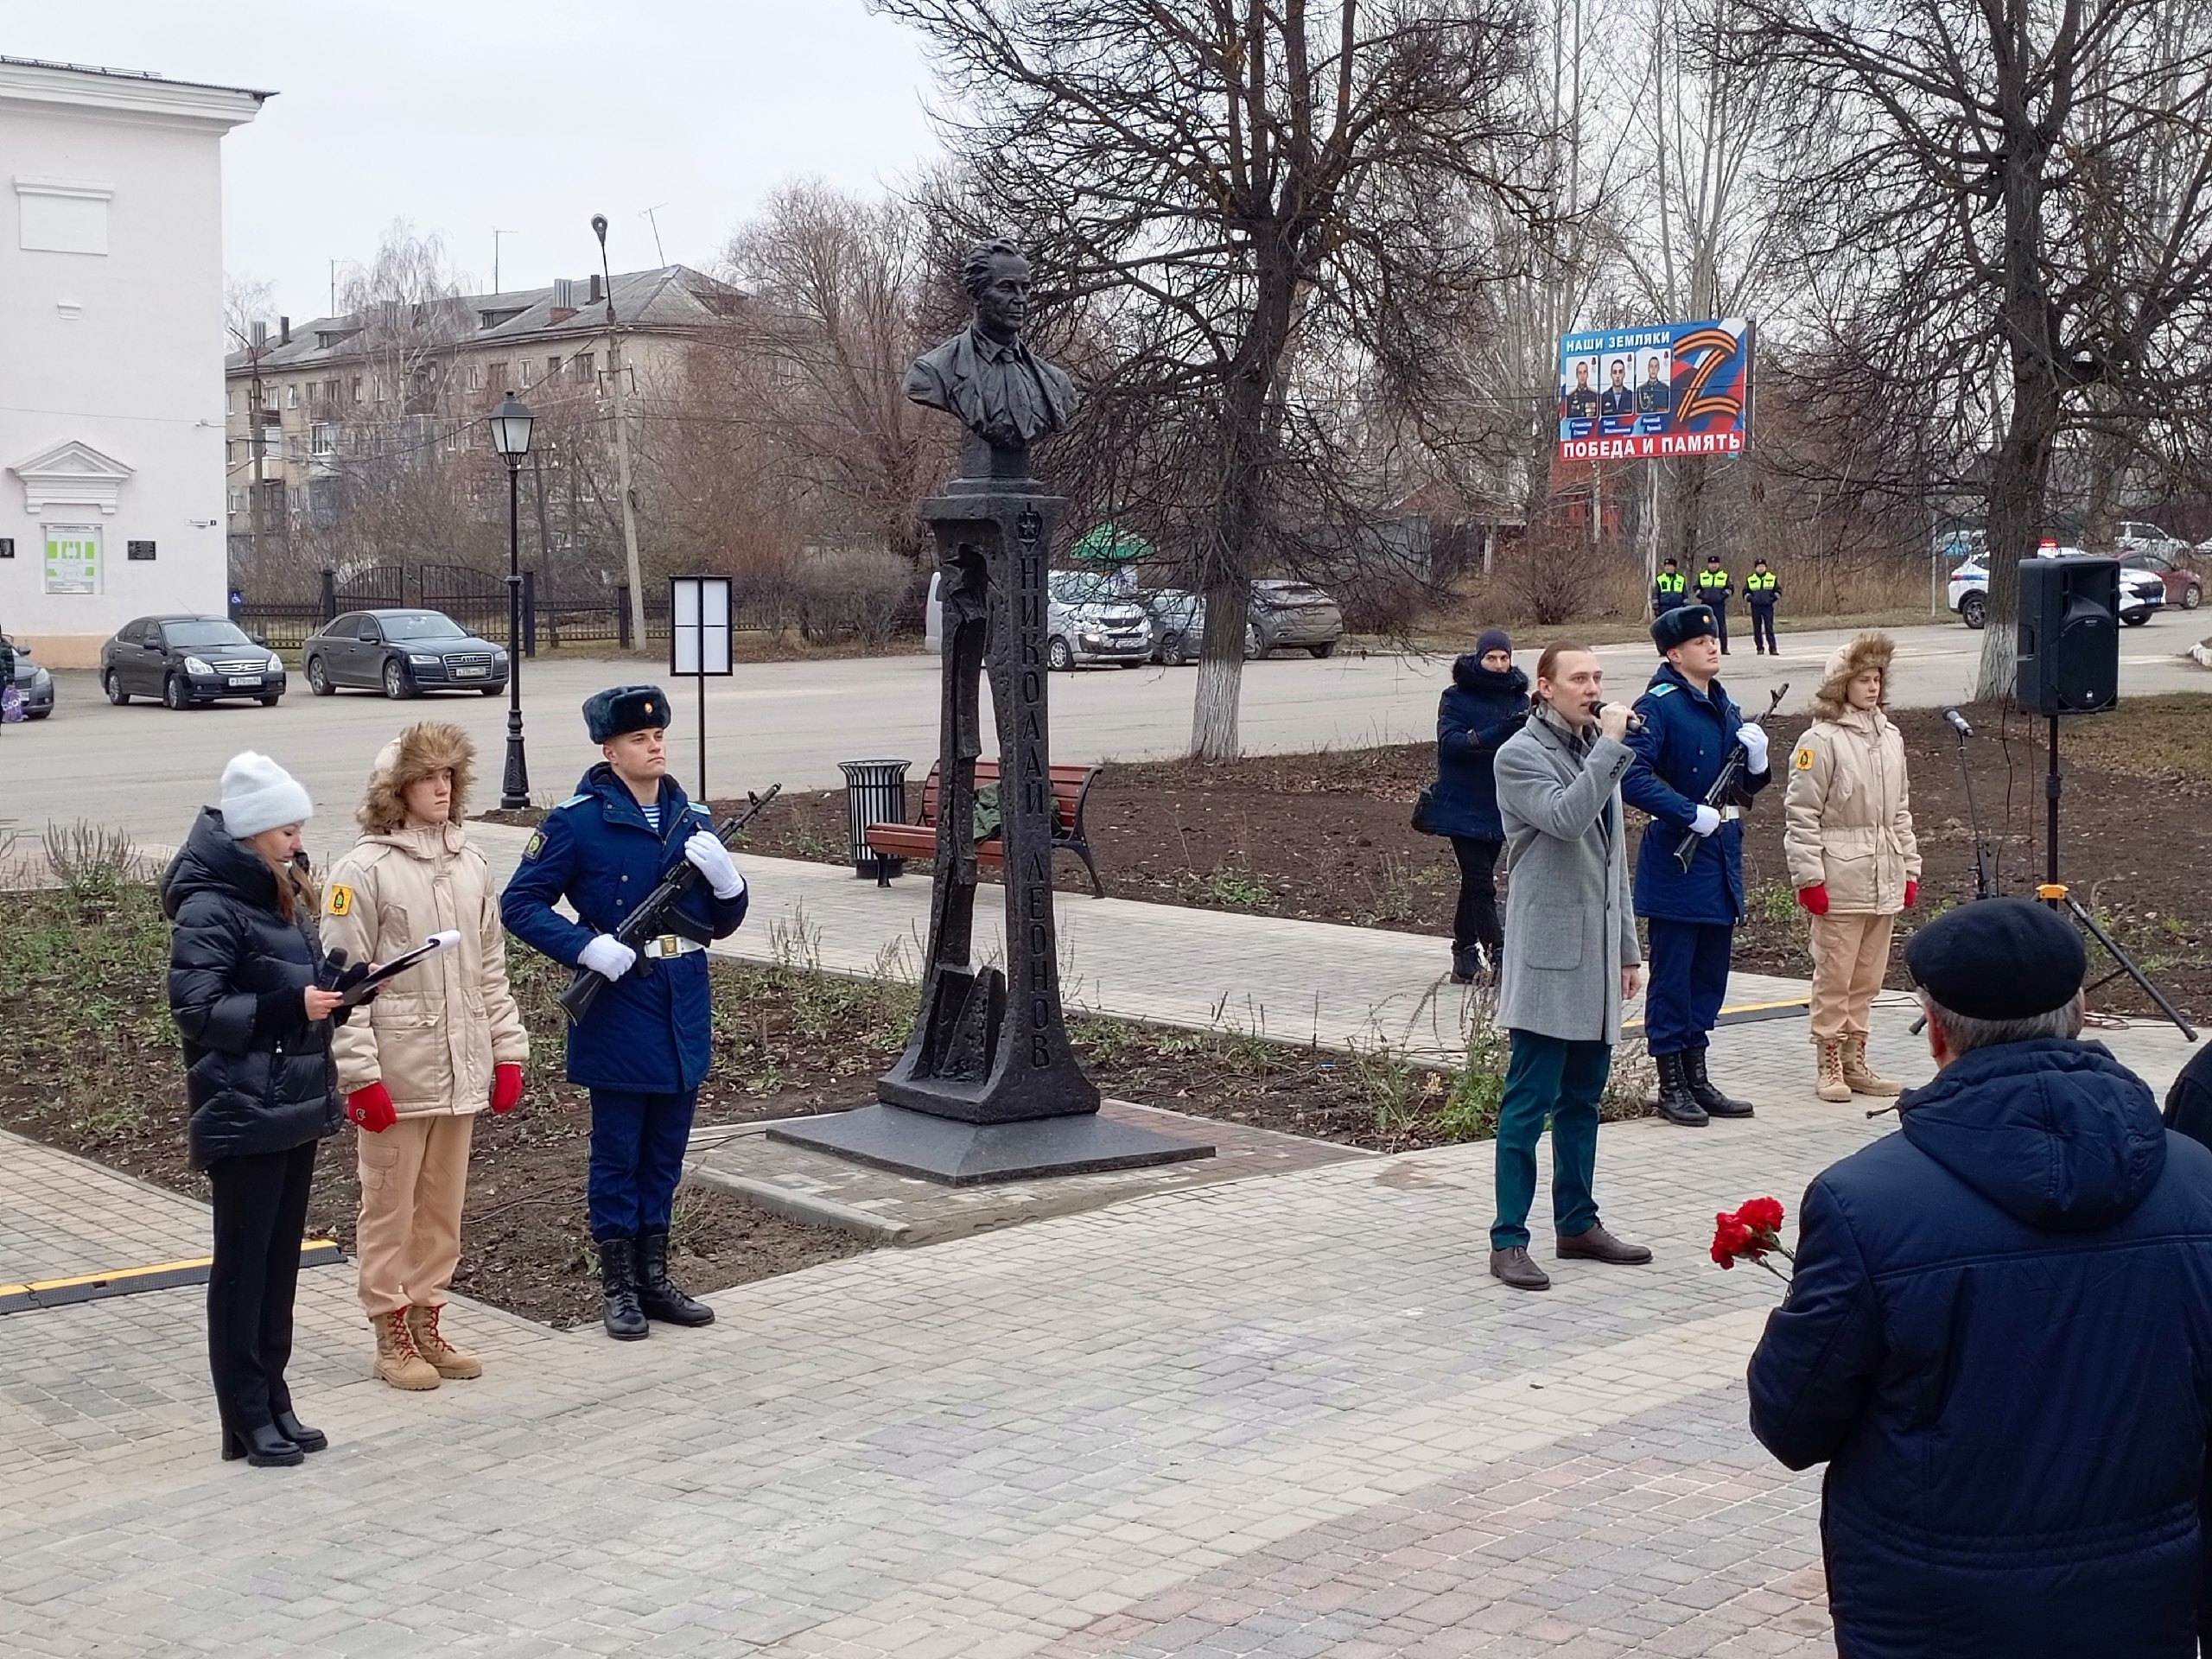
{"x": 1999, "y": 1334}
{"x": 644, "y": 1048}
{"x": 1486, "y": 703}
{"x": 1690, "y": 725}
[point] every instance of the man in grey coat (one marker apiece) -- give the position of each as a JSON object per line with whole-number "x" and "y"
{"x": 1570, "y": 959}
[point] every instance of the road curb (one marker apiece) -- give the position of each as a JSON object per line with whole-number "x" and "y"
{"x": 803, "y": 1207}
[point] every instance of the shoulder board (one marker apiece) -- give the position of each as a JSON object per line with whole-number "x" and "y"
{"x": 575, "y": 800}
{"x": 702, "y": 811}
{"x": 1665, "y": 689}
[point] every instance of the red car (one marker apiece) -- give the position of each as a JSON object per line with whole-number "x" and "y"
{"x": 2184, "y": 586}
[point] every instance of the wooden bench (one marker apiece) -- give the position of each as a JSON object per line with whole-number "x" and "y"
{"x": 1070, "y": 788}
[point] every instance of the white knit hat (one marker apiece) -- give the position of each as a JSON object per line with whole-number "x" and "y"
{"x": 258, "y": 795}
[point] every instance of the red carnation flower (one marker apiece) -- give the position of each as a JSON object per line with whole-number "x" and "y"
{"x": 1761, "y": 1215}
{"x": 1749, "y": 1233}
{"x": 1730, "y": 1239}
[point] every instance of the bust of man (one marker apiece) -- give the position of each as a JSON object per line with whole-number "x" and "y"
{"x": 1008, "y": 396}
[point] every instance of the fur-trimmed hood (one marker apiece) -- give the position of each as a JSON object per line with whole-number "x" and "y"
{"x": 1853, "y": 658}
{"x": 432, "y": 746}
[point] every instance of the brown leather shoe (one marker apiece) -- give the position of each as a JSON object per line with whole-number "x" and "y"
{"x": 1599, "y": 1245}
{"x": 1514, "y": 1267}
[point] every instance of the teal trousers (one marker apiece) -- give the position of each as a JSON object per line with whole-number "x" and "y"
{"x": 1552, "y": 1079}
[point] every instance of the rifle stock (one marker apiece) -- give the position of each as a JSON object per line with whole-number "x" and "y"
{"x": 650, "y": 918}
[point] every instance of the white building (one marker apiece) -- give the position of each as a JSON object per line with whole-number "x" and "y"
{"x": 111, "y": 350}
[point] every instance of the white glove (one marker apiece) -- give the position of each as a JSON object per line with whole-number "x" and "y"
{"x": 711, "y": 859}
{"x": 1707, "y": 821}
{"x": 606, "y": 955}
{"x": 1753, "y": 738}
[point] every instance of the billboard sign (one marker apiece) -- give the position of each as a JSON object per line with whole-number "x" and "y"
{"x": 1670, "y": 389}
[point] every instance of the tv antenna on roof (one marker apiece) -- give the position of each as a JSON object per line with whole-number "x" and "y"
{"x": 648, "y": 217}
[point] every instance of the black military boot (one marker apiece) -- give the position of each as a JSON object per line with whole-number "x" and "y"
{"x": 1676, "y": 1103}
{"x": 658, "y": 1293}
{"x": 1469, "y": 964}
{"x": 617, "y": 1284}
{"x": 1716, "y": 1104}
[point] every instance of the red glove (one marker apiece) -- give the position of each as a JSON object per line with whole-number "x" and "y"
{"x": 372, "y": 1109}
{"x": 1814, "y": 898}
{"x": 1912, "y": 892}
{"x": 506, "y": 1086}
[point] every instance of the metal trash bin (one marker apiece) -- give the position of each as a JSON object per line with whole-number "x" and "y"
{"x": 876, "y": 792}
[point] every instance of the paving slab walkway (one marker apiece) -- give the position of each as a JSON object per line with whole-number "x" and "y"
{"x": 1286, "y": 1416}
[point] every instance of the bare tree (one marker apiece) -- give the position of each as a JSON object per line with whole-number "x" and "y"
{"x": 1976, "y": 169}
{"x": 1237, "y": 197}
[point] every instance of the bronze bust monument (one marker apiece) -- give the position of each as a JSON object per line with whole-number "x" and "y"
{"x": 1008, "y": 396}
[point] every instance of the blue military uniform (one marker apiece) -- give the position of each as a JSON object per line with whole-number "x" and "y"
{"x": 644, "y": 1048}
{"x": 1692, "y": 913}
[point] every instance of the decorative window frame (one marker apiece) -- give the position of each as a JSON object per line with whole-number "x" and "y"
{"x": 71, "y": 474}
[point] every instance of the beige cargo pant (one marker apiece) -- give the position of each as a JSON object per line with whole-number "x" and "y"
{"x": 414, "y": 1180}
{"x": 1849, "y": 956}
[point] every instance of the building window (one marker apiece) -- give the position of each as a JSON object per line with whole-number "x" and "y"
{"x": 379, "y": 388}
{"x": 552, "y": 368}
{"x": 528, "y": 378}
{"x": 315, "y": 394}
{"x": 292, "y": 396}
{"x": 357, "y": 388}
{"x": 475, "y": 376}
{"x": 497, "y": 374}
{"x": 586, "y": 372}
{"x": 237, "y": 500}
{"x": 322, "y": 439}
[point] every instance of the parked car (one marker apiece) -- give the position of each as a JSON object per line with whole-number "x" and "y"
{"x": 34, "y": 682}
{"x": 402, "y": 653}
{"x": 2141, "y": 592}
{"x": 2184, "y": 586}
{"x": 186, "y": 661}
{"x": 1179, "y": 624}
{"x": 2135, "y": 536}
{"x": 1291, "y": 614}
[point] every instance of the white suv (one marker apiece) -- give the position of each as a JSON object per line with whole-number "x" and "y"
{"x": 2141, "y": 592}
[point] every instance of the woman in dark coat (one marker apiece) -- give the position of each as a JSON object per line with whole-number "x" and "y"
{"x": 244, "y": 970}
{"x": 1486, "y": 703}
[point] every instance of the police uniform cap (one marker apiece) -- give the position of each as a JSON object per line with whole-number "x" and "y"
{"x": 620, "y": 708}
{"x": 1681, "y": 625}
{"x": 1999, "y": 959}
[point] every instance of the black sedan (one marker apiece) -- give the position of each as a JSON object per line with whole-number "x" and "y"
{"x": 401, "y": 654}
{"x": 186, "y": 661}
{"x": 33, "y": 681}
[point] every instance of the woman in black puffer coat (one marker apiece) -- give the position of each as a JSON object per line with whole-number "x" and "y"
{"x": 245, "y": 967}
{"x": 1486, "y": 703}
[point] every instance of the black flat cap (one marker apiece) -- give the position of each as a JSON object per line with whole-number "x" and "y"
{"x": 1999, "y": 959}
{"x": 1681, "y": 625}
{"x": 622, "y": 708}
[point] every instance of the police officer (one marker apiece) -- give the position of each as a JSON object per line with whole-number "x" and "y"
{"x": 1761, "y": 590}
{"x": 1689, "y": 726}
{"x": 644, "y": 1048}
{"x": 1668, "y": 590}
{"x": 1713, "y": 588}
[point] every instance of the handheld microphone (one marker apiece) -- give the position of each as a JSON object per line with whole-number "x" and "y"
{"x": 1596, "y": 707}
{"x": 1958, "y": 723}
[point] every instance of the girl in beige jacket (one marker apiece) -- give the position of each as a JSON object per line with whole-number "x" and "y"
{"x": 440, "y": 1043}
{"x": 1852, "y": 856}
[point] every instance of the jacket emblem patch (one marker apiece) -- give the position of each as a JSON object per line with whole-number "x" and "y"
{"x": 340, "y": 901}
{"x": 536, "y": 844}
{"x": 1805, "y": 758}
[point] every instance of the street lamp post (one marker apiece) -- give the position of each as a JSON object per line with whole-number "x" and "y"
{"x": 510, "y": 424}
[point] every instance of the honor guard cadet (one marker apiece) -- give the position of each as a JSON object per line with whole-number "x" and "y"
{"x": 1761, "y": 589}
{"x": 1713, "y": 589}
{"x": 1689, "y": 727}
{"x": 644, "y": 1048}
{"x": 1669, "y": 589}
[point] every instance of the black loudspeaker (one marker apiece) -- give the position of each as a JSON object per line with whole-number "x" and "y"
{"x": 2068, "y": 649}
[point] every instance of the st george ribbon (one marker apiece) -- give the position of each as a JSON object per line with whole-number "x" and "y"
{"x": 988, "y": 1088}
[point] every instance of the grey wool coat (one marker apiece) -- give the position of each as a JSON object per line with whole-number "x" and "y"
{"x": 1569, "y": 930}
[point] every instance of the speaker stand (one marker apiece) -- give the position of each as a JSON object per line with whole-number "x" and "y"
{"x": 2054, "y": 893}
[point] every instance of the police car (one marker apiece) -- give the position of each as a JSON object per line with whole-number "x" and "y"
{"x": 2141, "y": 592}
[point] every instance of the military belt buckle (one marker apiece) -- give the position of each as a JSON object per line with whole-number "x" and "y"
{"x": 668, "y": 944}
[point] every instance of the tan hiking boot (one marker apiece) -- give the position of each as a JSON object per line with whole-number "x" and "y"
{"x": 1860, "y": 1077}
{"x": 398, "y": 1362}
{"x": 1832, "y": 1085}
{"x": 430, "y": 1343}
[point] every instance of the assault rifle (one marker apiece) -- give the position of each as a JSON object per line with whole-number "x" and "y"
{"x": 650, "y": 917}
{"x": 1728, "y": 783}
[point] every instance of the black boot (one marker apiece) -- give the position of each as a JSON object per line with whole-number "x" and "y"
{"x": 290, "y": 1426}
{"x": 1676, "y": 1103}
{"x": 1470, "y": 963}
{"x": 1716, "y": 1104}
{"x": 617, "y": 1284}
{"x": 658, "y": 1293}
{"x": 262, "y": 1445}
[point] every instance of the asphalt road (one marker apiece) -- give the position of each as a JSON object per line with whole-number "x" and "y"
{"x": 146, "y": 770}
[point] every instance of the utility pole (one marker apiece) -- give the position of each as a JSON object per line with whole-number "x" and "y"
{"x": 255, "y": 343}
{"x": 622, "y": 445}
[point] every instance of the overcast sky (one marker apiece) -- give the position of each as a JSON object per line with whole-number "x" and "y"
{"x": 528, "y": 115}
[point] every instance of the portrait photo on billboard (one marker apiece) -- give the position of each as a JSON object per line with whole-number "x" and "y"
{"x": 1657, "y": 391}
